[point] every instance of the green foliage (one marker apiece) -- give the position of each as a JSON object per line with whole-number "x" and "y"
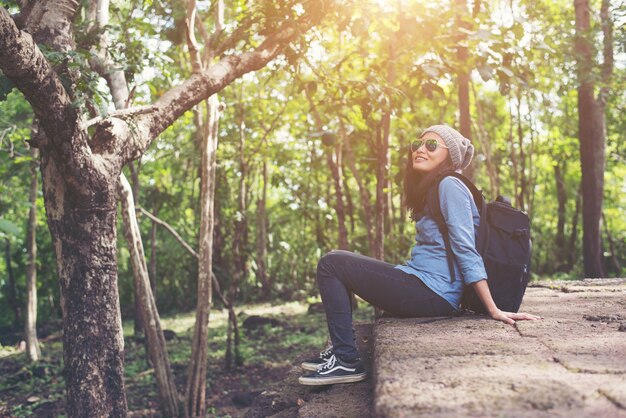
{"x": 363, "y": 60}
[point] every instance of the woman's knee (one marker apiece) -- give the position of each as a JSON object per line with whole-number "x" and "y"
{"x": 330, "y": 260}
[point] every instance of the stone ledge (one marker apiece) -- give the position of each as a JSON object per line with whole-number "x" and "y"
{"x": 572, "y": 363}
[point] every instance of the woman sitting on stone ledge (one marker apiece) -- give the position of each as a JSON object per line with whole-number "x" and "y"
{"x": 422, "y": 287}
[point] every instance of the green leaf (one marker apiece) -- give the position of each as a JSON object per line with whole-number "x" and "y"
{"x": 9, "y": 227}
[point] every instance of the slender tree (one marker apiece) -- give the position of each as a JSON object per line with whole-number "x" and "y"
{"x": 463, "y": 75}
{"x": 262, "y": 228}
{"x": 592, "y": 130}
{"x": 33, "y": 352}
{"x": 11, "y": 287}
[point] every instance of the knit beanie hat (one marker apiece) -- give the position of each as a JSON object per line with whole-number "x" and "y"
{"x": 460, "y": 148}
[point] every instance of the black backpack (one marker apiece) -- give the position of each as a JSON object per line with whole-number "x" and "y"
{"x": 503, "y": 241}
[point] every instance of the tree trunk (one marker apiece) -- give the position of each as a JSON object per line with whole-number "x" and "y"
{"x": 379, "y": 207}
{"x": 196, "y": 382}
{"x": 152, "y": 267}
{"x": 364, "y": 193}
{"x": 33, "y": 353}
{"x": 262, "y": 235}
{"x": 513, "y": 155}
{"x": 11, "y": 291}
{"x": 333, "y": 159}
{"x": 349, "y": 202}
{"x": 463, "y": 79}
{"x": 240, "y": 238}
{"x": 521, "y": 194}
{"x": 609, "y": 238}
{"x": 571, "y": 254}
{"x": 591, "y": 132}
{"x": 93, "y": 343}
{"x": 530, "y": 158}
{"x": 334, "y": 163}
{"x": 120, "y": 95}
{"x": 382, "y": 167}
{"x": 561, "y": 195}
{"x": 168, "y": 395}
{"x": 485, "y": 145}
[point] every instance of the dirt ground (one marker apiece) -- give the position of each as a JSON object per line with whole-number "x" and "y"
{"x": 289, "y": 399}
{"x": 260, "y": 388}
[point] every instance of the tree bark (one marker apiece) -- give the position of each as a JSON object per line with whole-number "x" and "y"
{"x": 12, "y": 291}
{"x": 609, "y": 238}
{"x": 379, "y": 205}
{"x": 571, "y": 254}
{"x": 463, "y": 80}
{"x": 560, "y": 252}
{"x": 152, "y": 267}
{"x": 485, "y": 145}
{"x": 240, "y": 238}
{"x": 333, "y": 159}
{"x": 364, "y": 194}
{"x": 119, "y": 91}
{"x": 196, "y": 380}
{"x": 157, "y": 351}
{"x": 513, "y": 154}
{"x": 262, "y": 222}
{"x": 521, "y": 194}
{"x": 33, "y": 353}
{"x": 382, "y": 168}
{"x": 240, "y": 241}
{"x": 591, "y": 131}
{"x": 349, "y": 202}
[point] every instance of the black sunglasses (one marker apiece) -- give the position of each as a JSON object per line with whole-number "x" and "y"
{"x": 431, "y": 144}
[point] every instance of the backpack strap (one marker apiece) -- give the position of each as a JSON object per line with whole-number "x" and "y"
{"x": 434, "y": 205}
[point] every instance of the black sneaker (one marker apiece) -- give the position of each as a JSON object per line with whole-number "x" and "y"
{"x": 335, "y": 371}
{"x": 313, "y": 363}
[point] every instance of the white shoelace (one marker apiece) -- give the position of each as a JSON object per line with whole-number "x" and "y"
{"x": 330, "y": 363}
{"x": 326, "y": 352}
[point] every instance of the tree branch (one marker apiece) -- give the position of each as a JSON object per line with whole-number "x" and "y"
{"x": 23, "y": 63}
{"x": 168, "y": 227}
{"x": 120, "y": 114}
{"x": 132, "y": 143}
{"x": 192, "y": 43}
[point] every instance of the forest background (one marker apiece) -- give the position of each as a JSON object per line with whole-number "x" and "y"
{"x": 311, "y": 149}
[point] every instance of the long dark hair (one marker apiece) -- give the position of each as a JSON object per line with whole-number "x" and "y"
{"x": 416, "y": 185}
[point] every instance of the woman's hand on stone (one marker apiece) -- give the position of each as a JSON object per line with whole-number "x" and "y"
{"x": 511, "y": 317}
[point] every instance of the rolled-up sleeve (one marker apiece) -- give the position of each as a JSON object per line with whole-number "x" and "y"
{"x": 456, "y": 207}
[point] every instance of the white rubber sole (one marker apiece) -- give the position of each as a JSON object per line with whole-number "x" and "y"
{"x": 310, "y": 367}
{"x": 319, "y": 381}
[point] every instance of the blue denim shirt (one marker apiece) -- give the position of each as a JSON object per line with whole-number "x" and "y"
{"x": 428, "y": 256}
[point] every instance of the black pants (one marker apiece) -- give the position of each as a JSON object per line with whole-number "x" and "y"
{"x": 379, "y": 283}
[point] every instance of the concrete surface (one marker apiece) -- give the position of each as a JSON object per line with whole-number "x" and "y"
{"x": 570, "y": 364}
